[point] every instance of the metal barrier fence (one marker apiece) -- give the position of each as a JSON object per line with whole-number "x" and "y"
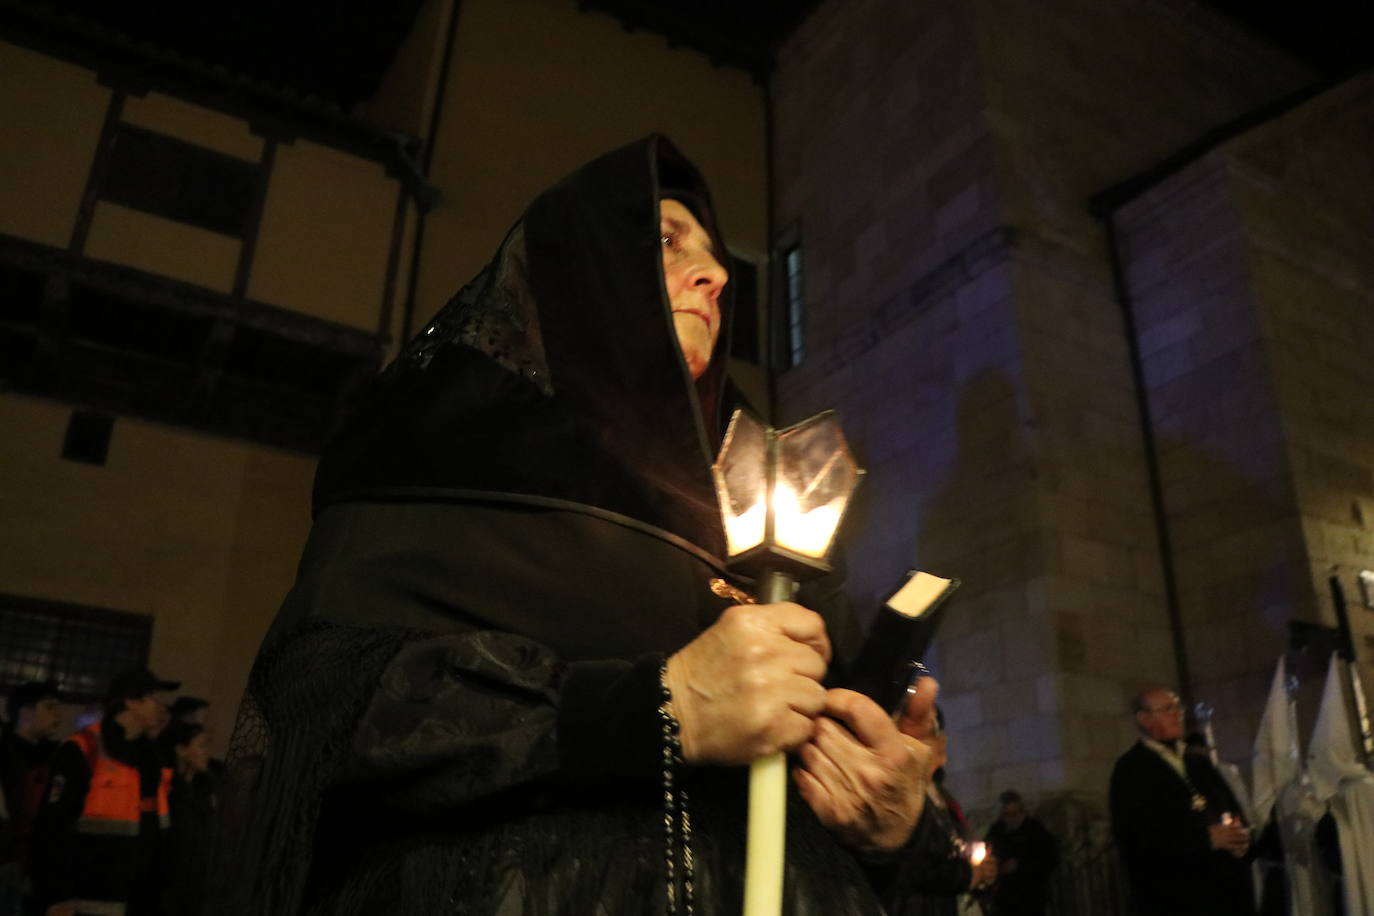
{"x": 1090, "y": 886}
{"x": 1088, "y": 881}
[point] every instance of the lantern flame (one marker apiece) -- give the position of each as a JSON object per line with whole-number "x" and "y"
{"x": 808, "y": 533}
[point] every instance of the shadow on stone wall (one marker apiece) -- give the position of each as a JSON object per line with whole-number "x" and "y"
{"x": 1241, "y": 567}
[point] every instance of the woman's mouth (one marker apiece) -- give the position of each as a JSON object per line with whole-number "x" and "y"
{"x": 704, "y": 316}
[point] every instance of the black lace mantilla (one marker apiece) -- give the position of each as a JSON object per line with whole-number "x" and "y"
{"x": 494, "y": 314}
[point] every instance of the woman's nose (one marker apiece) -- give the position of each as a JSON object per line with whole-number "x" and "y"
{"x": 709, "y": 272}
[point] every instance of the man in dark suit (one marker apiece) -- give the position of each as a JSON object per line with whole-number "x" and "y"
{"x": 1179, "y": 831}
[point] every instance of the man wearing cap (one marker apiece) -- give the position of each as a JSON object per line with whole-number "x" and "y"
{"x": 26, "y": 751}
{"x": 99, "y": 844}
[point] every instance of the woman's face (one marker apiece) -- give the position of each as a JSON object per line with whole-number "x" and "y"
{"x": 694, "y": 279}
{"x": 195, "y": 754}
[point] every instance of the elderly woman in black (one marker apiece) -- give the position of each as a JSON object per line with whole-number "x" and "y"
{"x": 512, "y": 642}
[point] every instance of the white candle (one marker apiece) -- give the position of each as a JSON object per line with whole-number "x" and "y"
{"x": 767, "y": 836}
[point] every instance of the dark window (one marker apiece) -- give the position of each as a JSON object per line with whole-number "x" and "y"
{"x": 166, "y": 177}
{"x": 88, "y": 437}
{"x": 744, "y": 321}
{"x": 79, "y": 647}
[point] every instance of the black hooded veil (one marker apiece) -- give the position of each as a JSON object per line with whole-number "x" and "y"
{"x": 455, "y": 709}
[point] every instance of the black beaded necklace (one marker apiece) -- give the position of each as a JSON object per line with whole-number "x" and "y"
{"x": 677, "y": 820}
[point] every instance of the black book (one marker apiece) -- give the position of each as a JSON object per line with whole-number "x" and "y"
{"x": 889, "y": 663}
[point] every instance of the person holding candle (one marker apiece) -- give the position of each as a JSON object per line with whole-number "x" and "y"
{"x": 513, "y": 676}
{"x": 1027, "y": 853}
{"x": 942, "y": 862}
{"x": 1185, "y": 847}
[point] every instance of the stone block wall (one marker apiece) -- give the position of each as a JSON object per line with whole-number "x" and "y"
{"x": 1082, "y": 96}
{"x": 1226, "y": 477}
{"x": 1250, "y": 277}
{"x": 937, "y": 160}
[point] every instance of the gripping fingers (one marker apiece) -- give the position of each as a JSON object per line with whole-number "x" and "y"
{"x": 823, "y": 768}
{"x": 807, "y": 697}
{"x": 803, "y": 660}
{"x": 798, "y": 624}
{"x": 792, "y": 730}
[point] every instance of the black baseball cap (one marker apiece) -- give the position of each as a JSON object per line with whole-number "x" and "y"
{"x": 133, "y": 683}
{"x": 31, "y": 694}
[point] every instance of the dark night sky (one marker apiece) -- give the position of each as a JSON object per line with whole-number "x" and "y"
{"x": 337, "y": 50}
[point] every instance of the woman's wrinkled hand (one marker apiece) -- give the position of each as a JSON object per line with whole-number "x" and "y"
{"x": 863, "y": 777}
{"x": 749, "y": 685}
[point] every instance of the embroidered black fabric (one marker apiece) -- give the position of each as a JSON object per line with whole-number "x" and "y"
{"x": 493, "y": 315}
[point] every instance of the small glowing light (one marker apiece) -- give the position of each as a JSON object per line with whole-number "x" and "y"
{"x": 1226, "y": 818}
{"x": 807, "y": 533}
{"x": 745, "y": 530}
{"x": 977, "y": 853}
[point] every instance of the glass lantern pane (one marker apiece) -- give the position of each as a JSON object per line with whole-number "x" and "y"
{"x": 816, "y": 477}
{"x": 741, "y": 482}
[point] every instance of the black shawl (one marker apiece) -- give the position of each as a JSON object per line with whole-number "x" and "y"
{"x": 556, "y": 372}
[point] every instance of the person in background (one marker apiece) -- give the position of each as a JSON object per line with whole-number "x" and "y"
{"x": 99, "y": 841}
{"x": 186, "y": 710}
{"x": 192, "y": 710}
{"x": 1026, "y": 854}
{"x": 1181, "y": 837}
{"x": 193, "y": 804}
{"x": 936, "y": 869}
{"x": 26, "y": 751}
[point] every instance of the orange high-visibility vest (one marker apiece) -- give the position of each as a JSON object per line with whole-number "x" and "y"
{"x": 115, "y": 802}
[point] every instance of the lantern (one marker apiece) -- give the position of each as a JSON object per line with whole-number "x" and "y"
{"x": 782, "y": 496}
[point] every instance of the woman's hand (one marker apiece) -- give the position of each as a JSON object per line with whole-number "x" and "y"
{"x": 865, "y": 779}
{"x": 750, "y": 684}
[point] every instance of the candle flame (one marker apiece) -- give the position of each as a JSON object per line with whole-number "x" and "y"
{"x": 977, "y": 853}
{"x": 745, "y": 530}
{"x": 808, "y": 533}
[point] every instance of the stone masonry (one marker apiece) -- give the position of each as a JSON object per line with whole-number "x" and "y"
{"x": 937, "y": 160}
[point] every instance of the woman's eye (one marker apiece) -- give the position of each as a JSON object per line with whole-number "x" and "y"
{"x": 668, "y": 240}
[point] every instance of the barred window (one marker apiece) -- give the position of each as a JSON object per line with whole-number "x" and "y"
{"x": 177, "y": 180}
{"x": 78, "y": 647}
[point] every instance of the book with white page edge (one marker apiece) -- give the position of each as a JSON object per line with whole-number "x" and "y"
{"x": 888, "y": 664}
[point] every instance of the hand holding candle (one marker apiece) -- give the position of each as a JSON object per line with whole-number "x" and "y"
{"x": 749, "y": 685}
{"x": 1230, "y": 834}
